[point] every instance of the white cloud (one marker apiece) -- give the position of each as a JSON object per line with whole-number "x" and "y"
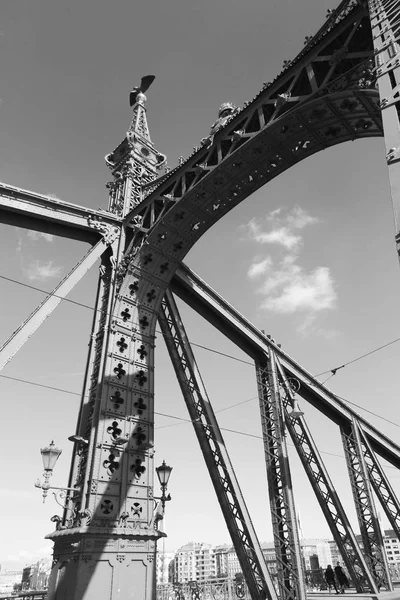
{"x": 284, "y": 228}
{"x": 258, "y": 268}
{"x": 298, "y": 218}
{"x": 37, "y": 235}
{"x": 281, "y": 235}
{"x": 42, "y": 270}
{"x": 287, "y": 287}
{"x": 291, "y": 290}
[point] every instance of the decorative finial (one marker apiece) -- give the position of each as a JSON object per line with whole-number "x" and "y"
{"x": 137, "y": 94}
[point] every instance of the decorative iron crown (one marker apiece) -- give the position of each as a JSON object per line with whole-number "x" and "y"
{"x": 226, "y": 106}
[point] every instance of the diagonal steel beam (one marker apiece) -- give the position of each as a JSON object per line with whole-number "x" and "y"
{"x": 281, "y": 498}
{"x": 210, "y": 305}
{"x": 324, "y": 490}
{"x": 27, "y": 209}
{"x": 371, "y": 534}
{"x": 18, "y": 338}
{"x": 212, "y": 444}
{"x": 381, "y": 485}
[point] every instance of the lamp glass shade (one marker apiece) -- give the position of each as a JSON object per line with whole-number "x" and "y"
{"x": 163, "y": 474}
{"x": 50, "y": 456}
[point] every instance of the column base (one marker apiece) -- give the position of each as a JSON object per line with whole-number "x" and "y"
{"x": 91, "y": 563}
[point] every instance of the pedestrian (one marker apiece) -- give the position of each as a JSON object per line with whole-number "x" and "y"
{"x": 330, "y": 579}
{"x": 341, "y": 577}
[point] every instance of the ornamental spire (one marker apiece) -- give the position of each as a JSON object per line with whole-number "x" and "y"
{"x": 137, "y": 99}
{"x": 139, "y": 125}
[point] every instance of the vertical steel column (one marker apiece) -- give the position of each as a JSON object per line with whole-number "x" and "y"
{"x": 286, "y": 537}
{"x": 384, "y": 17}
{"x": 381, "y": 485}
{"x": 215, "y": 454}
{"x": 365, "y": 507}
{"x": 325, "y": 492}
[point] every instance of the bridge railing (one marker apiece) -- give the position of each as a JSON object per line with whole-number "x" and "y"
{"x": 210, "y": 589}
{"x": 28, "y": 595}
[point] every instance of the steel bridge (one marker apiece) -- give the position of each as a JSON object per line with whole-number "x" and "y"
{"x": 342, "y": 86}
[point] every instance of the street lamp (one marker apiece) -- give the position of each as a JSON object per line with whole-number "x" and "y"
{"x": 163, "y": 474}
{"x": 50, "y": 455}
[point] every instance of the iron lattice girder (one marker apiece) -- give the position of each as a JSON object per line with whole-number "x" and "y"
{"x": 210, "y": 305}
{"x": 27, "y": 209}
{"x": 381, "y": 485}
{"x": 365, "y": 507}
{"x": 325, "y": 492}
{"x": 274, "y": 133}
{"x": 284, "y": 523}
{"x": 215, "y": 454}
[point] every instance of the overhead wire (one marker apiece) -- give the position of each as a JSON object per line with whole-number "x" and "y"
{"x": 183, "y": 419}
{"x": 92, "y": 308}
{"x": 331, "y": 371}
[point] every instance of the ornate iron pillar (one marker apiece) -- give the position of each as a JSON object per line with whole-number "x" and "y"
{"x": 286, "y": 537}
{"x": 105, "y": 544}
{"x": 365, "y": 507}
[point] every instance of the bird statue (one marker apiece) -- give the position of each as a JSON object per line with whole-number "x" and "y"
{"x": 146, "y": 82}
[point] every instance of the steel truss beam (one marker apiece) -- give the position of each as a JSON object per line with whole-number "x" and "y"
{"x": 27, "y": 209}
{"x": 324, "y": 490}
{"x": 365, "y": 507}
{"x": 18, "y": 338}
{"x": 216, "y": 310}
{"x": 286, "y": 537}
{"x": 381, "y": 485}
{"x": 325, "y": 96}
{"x": 215, "y": 453}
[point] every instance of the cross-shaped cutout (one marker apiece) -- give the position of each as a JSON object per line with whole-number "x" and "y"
{"x": 111, "y": 464}
{"x": 349, "y": 105}
{"x": 144, "y": 322}
{"x": 133, "y": 288}
{"x": 122, "y": 345}
{"x": 332, "y": 131}
{"x": 139, "y": 436}
{"x": 179, "y": 216}
{"x": 125, "y": 314}
{"x": 142, "y": 352}
{"x": 164, "y": 267}
{"x": 137, "y": 468}
{"x": 140, "y": 406}
{"x": 114, "y": 430}
{"x": 107, "y": 507}
{"x": 148, "y": 259}
{"x": 117, "y": 399}
{"x": 136, "y": 509}
{"x": 119, "y": 371}
{"x": 151, "y": 295}
{"x": 178, "y": 246}
{"x": 141, "y": 378}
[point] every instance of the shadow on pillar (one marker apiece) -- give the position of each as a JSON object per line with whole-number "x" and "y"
{"x": 110, "y": 551}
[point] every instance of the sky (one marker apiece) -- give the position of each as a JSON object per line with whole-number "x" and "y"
{"x": 310, "y": 257}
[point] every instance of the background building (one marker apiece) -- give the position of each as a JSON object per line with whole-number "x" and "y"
{"x": 321, "y": 548}
{"x": 392, "y": 547}
{"x": 194, "y": 561}
{"x": 8, "y": 579}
